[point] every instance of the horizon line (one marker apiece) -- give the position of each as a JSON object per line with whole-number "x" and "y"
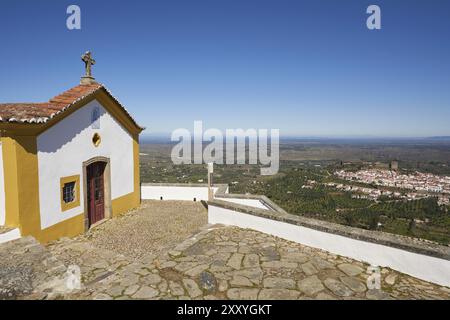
{"x": 319, "y": 137}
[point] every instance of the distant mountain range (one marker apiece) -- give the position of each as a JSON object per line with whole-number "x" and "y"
{"x": 165, "y": 138}
{"x": 440, "y": 138}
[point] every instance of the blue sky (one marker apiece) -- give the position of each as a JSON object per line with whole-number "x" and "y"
{"x": 308, "y": 68}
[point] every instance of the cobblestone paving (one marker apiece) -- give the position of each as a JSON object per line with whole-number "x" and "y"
{"x": 232, "y": 263}
{"x": 155, "y": 226}
{"x": 26, "y": 268}
{"x": 218, "y": 262}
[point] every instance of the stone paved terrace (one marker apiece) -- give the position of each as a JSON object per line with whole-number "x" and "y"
{"x": 180, "y": 257}
{"x": 156, "y": 226}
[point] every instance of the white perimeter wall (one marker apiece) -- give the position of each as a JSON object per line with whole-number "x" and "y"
{"x": 417, "y": 265}
{"x": 10, "y": 235}
{"x": 64, "y": 147}
{"x": 175, "y": 193}
{"x": 247, "y": 202}
{"x": 2, "y": 189}
{"x": 154, "y": 192}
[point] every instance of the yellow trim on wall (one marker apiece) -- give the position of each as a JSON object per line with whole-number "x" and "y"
{"x": 117, "y": 112}
{"x": 76, "y": 202}
{"x": 22, "y": 185}
{"x": 28, "y": 181}
{"x": 67, "y": 228}
{"x": 137, "y": 174}
{"x": 132, "y": 200}
{"x": 123, "y": 204}
{"x": 10, "y": 180}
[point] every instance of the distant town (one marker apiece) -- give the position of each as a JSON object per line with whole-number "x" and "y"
{"x": 424, "y": 185}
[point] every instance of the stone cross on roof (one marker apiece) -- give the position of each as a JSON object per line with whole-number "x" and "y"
{"x": 88, "y": 63}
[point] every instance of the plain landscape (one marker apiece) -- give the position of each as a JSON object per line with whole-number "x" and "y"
{"x": 394, "y": 185}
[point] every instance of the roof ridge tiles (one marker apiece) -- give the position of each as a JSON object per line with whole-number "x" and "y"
{"x": 41, "y": 112}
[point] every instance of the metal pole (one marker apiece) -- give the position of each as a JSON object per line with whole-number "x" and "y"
{"x": 210, "y": 181}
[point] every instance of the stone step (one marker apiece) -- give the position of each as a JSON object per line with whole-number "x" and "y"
{"x": 26, "y": 266}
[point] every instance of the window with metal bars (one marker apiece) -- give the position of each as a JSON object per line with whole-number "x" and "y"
{"x": 69, "y": 192}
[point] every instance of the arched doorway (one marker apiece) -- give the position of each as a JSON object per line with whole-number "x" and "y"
{"x": 97, "y": 191}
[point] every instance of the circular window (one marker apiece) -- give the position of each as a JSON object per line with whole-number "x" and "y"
{"x": 96, "y": 139}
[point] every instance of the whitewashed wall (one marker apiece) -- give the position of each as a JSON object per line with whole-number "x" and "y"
{"x": 153, "y": 192}
{"x": 10, "y": 235}
{"x": 247, "y": 202}
{"x": 64, "y": 147}
{"x": 2, "y": 189}
{"x": 421, "y": 266}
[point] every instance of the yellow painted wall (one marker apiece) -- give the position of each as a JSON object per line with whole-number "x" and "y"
{"x": 68, "y": 228}
{"x": 22, "y": 191}
{"x": 11, "y": 181}
{"x": 28, "y": 184}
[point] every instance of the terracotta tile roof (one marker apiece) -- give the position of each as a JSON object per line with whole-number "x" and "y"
{"x": 42, "y": 112}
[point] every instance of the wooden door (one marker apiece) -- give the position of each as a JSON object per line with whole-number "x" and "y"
{"x": 96, "y": 192}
